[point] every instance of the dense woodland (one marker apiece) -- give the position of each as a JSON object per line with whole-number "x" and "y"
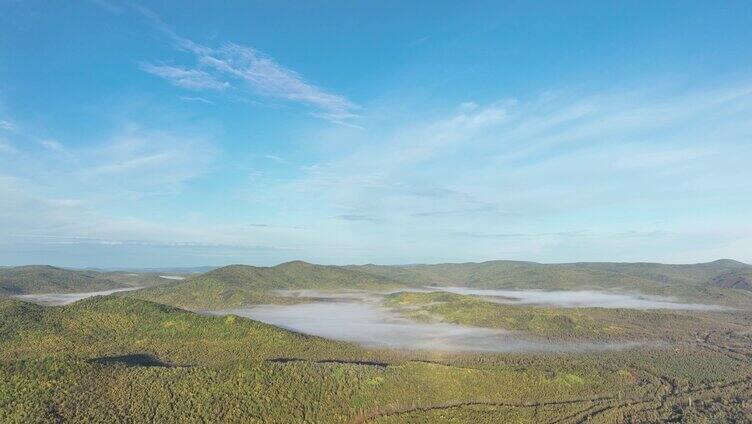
{"x": 48, "y": 279}
{"x": 36, "y": 279}
{"x": 579, "y": 324}
{"x": 238, "y": 285}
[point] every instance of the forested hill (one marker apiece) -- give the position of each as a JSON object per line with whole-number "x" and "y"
{"x": 48, "y": 279}
{"x": 299, "y": 275}
{"x": 237, "y": 285}
{"x": 649, "y": 277}
{"x": 114, "y": 359}
{"x": 105, "y": 324}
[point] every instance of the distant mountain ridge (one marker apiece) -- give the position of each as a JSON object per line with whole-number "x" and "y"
{"x": 238, "y": 285}
{"x": 645, "y": 276}
{"x": 32, "y": 279}
{"x": 157, "y": 270}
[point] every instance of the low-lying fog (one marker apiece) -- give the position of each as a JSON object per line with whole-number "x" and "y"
{"x": 365, "y": 322}
{"x": 57, "y": 299}
{"x": 359, "y": 317}
{"x": 581, "y": 298}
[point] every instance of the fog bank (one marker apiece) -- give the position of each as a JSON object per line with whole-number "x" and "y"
{"x": 581, "y": 298}
{"x": 370, "y": 325}
{"x": 57, "y": 299}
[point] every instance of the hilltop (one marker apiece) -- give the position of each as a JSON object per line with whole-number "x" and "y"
{"x": 102, "y": 324}
{"x": 34, "y": 279}
{"x": 652, "y": 278}
{"x": 238, "y": 285}
{"x": 737, "y": 279}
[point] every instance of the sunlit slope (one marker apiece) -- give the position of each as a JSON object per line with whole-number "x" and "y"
{"x": 651, "y": 278}
{"x": 568, "y": 324}
{"x": 104, "y": 325}
{"x": 670, "y": 274}
{"x": 740, "y": 279}
{"x": 114, "y": 359}
{"x": 238, "y": 285}
{"x": 117, "y": 359}
{"x": 47, "y": 279}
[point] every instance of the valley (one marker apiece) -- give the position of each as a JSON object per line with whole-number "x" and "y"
{"x": 310, "y": 343}
{"x": 368, "y": 212}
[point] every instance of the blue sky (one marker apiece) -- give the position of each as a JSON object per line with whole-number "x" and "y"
{"x": 164, "y": 134}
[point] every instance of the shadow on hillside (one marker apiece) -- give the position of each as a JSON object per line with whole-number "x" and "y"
{"x": 132, "y": 360}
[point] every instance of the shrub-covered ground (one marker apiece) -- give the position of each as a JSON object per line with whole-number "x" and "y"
{"x": 557, "y": 323}
{"x": 115, "y": 359}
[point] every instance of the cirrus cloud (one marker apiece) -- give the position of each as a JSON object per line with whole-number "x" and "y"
{"x": 252, "y": 71}
{"x": 191, "y": 79}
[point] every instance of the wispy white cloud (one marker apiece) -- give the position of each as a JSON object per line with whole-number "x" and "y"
{"x": 628, "y": 174}
{"x": 44, "y": 223}
{"x": 275, "y": 158}
{"x": 354, "y": 217}
{"x": 6, "y": 147}
{"x": 79, "y": 240}
{"x": 418, "y": 41}
{"x": 107, "y": 5}
{"x": 196, "y": 99}
{"x": 191, "y": 79}
{"x": 595, "y": 164}
{"x": 567, "y": 235}
{"x": 267, "y": 77}
{"x": 7, "y": 125}
{"x": 52, "y": 145}
{"x": 250, "y": 69}
{"x": 148, "y": 162}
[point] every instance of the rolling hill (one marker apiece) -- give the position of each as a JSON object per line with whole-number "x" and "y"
{"x": 652, "y": 278}
{"x": 34, "y": 279}
{"x": 115, "y": 359}
{"x": 739, "y": 279}
{"x": 238, "y": 285}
